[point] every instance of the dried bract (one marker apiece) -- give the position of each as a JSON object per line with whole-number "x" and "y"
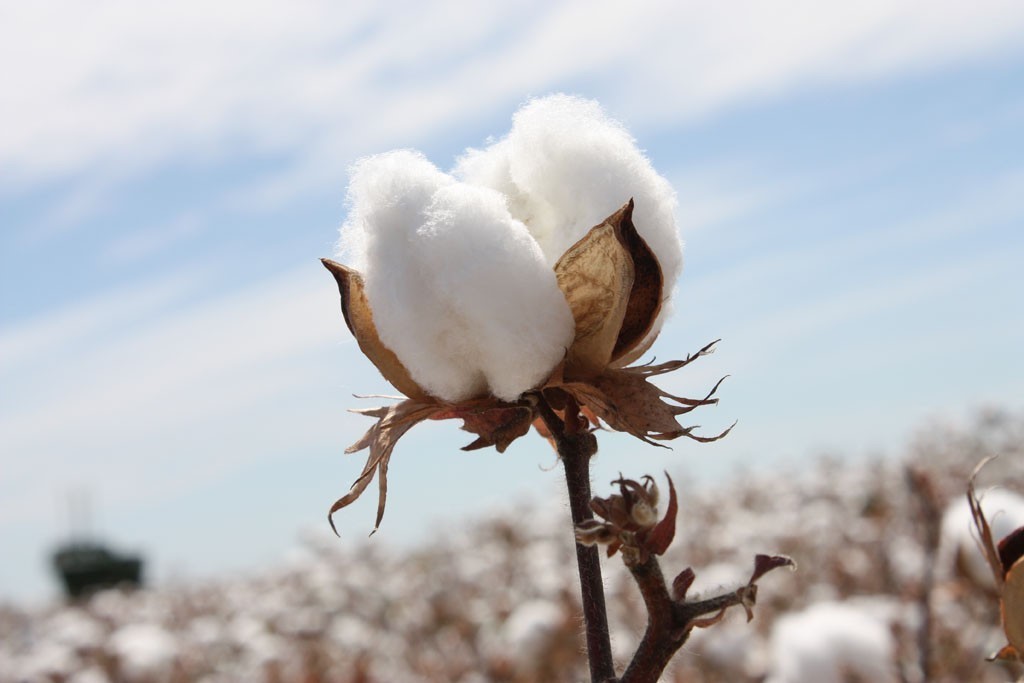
{"x": 1006, "y": 559}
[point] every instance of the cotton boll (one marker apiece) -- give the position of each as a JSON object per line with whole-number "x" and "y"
{"x": 829, "y": 641}
{"x": 529, "y": 630}
{"x": 958, "y": 548}
{"x": 460, "y": 291}
{"x": 144, "y": 649}
{"x": 565, "y": 166}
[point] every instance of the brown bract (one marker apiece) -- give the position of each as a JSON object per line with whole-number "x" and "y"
{"x": 614, "y": 286}
{"x": 1006, "y": 559}
{"x": 629, "y": 521}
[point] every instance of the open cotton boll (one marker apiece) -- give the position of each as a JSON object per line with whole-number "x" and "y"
{"x": 564, "y": 167}
{"x": 829, "y": 643}
{"x": 958, "y": 548}
{"x": 460, "y": 291}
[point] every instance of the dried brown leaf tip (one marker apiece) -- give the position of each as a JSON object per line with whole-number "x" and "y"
{"x": 1006, "y": 559}
{"x": 614, "y": 287}
{"x": 629, "y": 520}
{"x": 709, "y": 611}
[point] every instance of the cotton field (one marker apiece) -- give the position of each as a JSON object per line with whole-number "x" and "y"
{"x": 888, "y": 589}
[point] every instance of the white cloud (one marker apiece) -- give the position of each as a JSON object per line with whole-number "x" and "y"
{"x": 118, "y": 83}
{"x": 141, "y": 388}
{"x": 31, "y": 340}
{"x": 145, "y": 242}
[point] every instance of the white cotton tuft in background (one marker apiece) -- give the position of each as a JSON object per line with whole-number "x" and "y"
{"x": 460, "y": 291}
{"x": 958, "y": 548}
{"x": 832, "y": 642}
{"x": 564, "y": 167}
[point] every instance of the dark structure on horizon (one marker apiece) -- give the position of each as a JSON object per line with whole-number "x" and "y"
{"x": 85, "y": 567}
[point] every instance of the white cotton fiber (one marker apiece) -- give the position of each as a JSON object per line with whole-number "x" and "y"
{"x": 460, "y": 291}
{"x": 564, "y": 167}
{"x": 459, "y": 272}
{"x": 832, "y": 642}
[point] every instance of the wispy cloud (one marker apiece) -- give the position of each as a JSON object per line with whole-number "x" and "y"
{"x": 140, "y": 244}
{"x": 118, "y": 85}
{"x": 158, "y": 370}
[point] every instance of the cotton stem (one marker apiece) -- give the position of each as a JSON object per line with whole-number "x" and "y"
{"x": 575, "y": 448}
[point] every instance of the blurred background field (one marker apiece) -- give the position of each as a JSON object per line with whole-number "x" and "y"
{"x": 494, "y": 598}
{"x": 851, "y": 195}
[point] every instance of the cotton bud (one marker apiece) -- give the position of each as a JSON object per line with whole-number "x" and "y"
{"x": 629, "y": 520}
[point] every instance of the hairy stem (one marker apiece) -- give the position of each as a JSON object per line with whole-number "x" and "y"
{"x": 663, "y": 636}
{"x": 670, "y": 622}
{"x": 575, "y": 448}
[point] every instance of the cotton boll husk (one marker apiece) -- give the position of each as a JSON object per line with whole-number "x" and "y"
{"x": 564, "y": 167}
{"x": 459, "y": 289}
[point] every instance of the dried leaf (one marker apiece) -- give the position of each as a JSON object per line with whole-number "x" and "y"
{"x": 766, "y": 563}
{"x": 495, "y": 424}
{"x": 645, "y": 297}
{"x": 985, "y": 540}
{"x": 596, "y": 276}
{"x": 662, "y": 534}
{"x": 1007, "y": 565}
{"x": 681, "y": 584}
{"x": 359, "y": 318}
{"x": 393, "y": 422}
{"x": 707, "y": 622}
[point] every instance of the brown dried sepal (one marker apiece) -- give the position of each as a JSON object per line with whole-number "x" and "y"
{"x": 495, "y": 424}
{"x": 626, "y": 401}
{"x": 392, "y": 423}
{"x": 359, "y": 319}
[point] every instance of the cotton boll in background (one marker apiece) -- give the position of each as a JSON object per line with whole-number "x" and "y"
{"x": 959, "y": 551}
{"x": 145, "y": 651}
{"x": 460, "y": 291}
{"x": 565, "y": 166}
{"x": 829, "y": 642}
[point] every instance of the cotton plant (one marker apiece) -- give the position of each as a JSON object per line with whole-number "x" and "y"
{"x": 515, "y": 292}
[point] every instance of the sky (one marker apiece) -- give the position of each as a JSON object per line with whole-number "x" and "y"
{"x": 851, "y": 194}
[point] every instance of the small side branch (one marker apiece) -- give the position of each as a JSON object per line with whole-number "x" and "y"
{"x": 671, "y": 620}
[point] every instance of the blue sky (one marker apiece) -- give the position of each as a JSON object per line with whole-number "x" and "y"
{"x": 851, "y": 184}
